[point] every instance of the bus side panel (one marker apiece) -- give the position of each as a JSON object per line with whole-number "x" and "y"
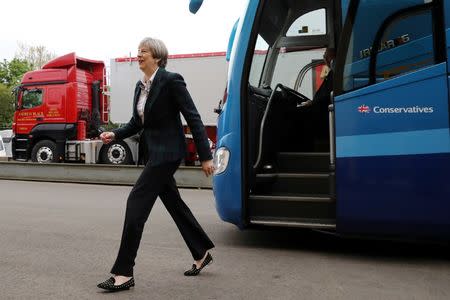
{"x": 393, "y": 157}
{"x": 397, "y": 195}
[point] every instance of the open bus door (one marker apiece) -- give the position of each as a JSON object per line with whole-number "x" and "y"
{"x": 392, "y": 120}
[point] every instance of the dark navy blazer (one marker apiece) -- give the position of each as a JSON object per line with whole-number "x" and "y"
{"x": 162, "y": 131}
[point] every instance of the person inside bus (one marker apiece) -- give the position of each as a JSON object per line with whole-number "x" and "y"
{"x": 318, "y": 106}
{"x": 322, "y": 96}
{"x": 159, "y": 97}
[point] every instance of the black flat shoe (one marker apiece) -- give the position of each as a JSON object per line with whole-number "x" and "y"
{"x": 109, "y": 285}
{"x": 194, "y": 271}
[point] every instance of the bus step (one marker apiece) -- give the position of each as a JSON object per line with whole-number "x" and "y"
{"x": 288, "y": 162}
{"x": 299, "y": 206}
{"x": 292, "y": 183}
{"x": 329, "y": 224}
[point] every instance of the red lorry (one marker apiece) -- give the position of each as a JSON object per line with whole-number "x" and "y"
{"x": 59, "y": 111}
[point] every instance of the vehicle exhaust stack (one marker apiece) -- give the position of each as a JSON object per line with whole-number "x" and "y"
{"x": 95, "y": 114}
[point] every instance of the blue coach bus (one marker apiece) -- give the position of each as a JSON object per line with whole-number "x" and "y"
{"x": 375, "y": 159}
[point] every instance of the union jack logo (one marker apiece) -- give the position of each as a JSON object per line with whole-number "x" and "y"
{"x": 364, "y": 109}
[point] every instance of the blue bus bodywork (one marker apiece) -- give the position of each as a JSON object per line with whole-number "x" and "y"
{"x": 388, "y": 148}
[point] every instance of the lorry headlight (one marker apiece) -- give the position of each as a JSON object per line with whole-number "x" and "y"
{"x": 221, "y": 158}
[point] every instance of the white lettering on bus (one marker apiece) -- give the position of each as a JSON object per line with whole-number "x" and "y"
{"x": 389, "y": 44}
{"x": 403, "y": 110}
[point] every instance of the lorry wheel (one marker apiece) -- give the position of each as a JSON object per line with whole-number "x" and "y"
{"x": 117, "y": 153}
{"x": 44, "y": 152}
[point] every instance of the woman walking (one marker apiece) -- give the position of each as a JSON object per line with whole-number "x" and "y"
{"x": 159, "y": 97}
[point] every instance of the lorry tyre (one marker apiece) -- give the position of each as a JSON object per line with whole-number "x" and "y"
{"x": 117, "y": 153}
{"x": 44, "y": 152}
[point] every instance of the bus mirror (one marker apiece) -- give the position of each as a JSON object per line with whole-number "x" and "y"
{"x": 231, "y": 40}
{"x": 194, "y": 5}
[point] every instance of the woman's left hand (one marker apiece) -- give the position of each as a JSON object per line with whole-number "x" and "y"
{"x": 208, "y": 167}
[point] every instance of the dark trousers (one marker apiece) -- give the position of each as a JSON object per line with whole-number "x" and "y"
{"x": 157, "y": 181}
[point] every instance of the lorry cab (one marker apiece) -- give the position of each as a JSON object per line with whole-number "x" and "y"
{"x": 371, "y": 159}
{"x": 63, "y": 102}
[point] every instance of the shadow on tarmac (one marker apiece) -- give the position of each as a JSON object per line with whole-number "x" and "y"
{"x": 328, "y": 243}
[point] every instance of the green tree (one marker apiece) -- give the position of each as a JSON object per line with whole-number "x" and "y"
{"x": 6, "y": 106}
{"x": 11, "y": 72}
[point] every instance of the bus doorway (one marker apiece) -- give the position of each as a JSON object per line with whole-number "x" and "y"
{"x": 289, "y": 162}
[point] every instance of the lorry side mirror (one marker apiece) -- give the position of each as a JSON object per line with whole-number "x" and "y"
{"x": 16, "y": 92}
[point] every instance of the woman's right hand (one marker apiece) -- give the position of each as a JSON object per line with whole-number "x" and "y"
{"x": 107, "y": 137}
{"x": 208, "y": 167}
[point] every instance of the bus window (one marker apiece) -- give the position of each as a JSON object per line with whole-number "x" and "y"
{"x": 312, "y": 23}
{"x": 259, "y": 57}
{"x": 403, "y": 47}
{"x": 402, "y": 51}
{"x": 289, "y": 65}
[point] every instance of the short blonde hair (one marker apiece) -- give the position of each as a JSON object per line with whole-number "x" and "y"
{"x": 157, "y": 48}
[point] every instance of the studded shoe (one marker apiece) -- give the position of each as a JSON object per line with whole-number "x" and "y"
{"x": 194, "y": 271}
{"x": 109, "y": 285}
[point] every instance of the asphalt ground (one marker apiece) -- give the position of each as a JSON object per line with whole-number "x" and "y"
{"x": 57, "y": 241}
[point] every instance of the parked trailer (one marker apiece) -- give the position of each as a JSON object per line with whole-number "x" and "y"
{"x": 204, "y": 74}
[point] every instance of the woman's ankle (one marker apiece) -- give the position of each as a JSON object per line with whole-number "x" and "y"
{"x": 120, "y": 279}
